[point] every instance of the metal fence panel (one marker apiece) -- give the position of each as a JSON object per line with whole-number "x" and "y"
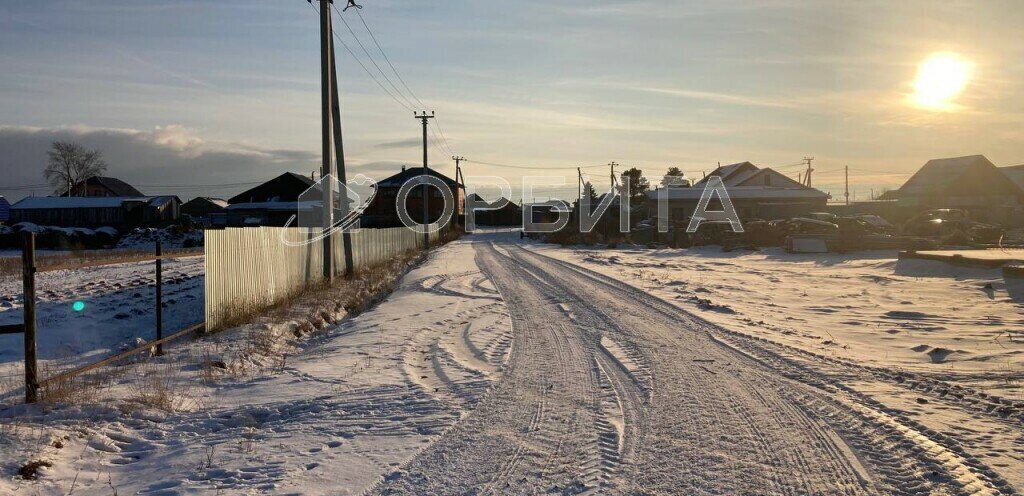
{"x": 253, "y": 268}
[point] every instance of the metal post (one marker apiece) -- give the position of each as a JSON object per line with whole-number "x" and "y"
{"x": 325, "y": 114}
{"x": 159, "y": 297}
{"x": 339, "y": 155}
{"x": 28, "y": 277}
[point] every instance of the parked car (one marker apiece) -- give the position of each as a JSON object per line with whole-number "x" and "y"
{"x": 952, "y": 225}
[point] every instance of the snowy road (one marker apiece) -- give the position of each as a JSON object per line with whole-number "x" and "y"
{"x": 610, "y": 390}
{"x": 500, "y": 367}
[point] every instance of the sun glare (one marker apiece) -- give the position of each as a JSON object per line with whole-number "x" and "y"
{"x": 940, "y": 79}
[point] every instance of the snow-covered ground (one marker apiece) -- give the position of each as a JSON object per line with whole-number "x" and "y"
{"x": 118, "y": 309}
{"x": 503, "y": 367}
{"x": 867, "y": 307}
{"x": 334, "y": 416}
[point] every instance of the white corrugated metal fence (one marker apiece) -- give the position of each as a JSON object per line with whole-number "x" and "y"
{"x": 249, "y": 269}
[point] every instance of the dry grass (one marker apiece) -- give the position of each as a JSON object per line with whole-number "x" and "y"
{"x": 163, "y": 386}
{"x": 75, "y": 390}
{"x": 11, "y": 266}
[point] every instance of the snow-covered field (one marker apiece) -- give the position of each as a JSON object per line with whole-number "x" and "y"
{"x": 503, "y": 367}
{"x": 119, "y": 308}
{"x": 867, "y": 307}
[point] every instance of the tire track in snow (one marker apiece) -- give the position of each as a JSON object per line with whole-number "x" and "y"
{"x": 906, "y": 447}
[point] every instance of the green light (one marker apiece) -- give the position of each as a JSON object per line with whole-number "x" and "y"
{"x": 78, "y": 306}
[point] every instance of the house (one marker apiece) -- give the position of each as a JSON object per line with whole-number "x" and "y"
{"x": 971, "y": 183}
{"x": 1015, "y": 173}
{"x": 5, "y": 209}
{"x": 97, "y": 211}
{"x": 284, "y": 188}
{"x": 501, "y": 212}
{"x": 756, "y": 193}
{"x": 272, "y": 203}
{"x": 104, "y": 187}
{"x": 383, "y": 210}
{"x": 206, "y": 210}
{"x": 548, "y": 212}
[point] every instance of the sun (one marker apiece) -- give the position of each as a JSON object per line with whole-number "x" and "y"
{"x": 940, "y": 79}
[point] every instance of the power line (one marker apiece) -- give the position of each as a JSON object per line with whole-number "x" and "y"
{"x": 509, "y": 166}
{"x": 24, "y": 187}
{"x": 443, "y": 138}
{"x": 388, "y": 60}
{"x": 367, "y": 71}
{"x": 374, "y": 62}
{"x": 446, "y": 149}
{"x": 398, "y": 75}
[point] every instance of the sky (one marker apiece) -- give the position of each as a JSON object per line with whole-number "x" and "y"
{"x": 195, "y": 98}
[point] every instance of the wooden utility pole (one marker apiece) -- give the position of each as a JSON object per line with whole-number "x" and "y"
{"x": 339, "y": 156}
{"x": 28, "y": 278}
{"x": 159, "y": 298}
{"x": 807, "y": 177}
{"x": 458, "y": 181}
{"x": 426, "y": 170}
{"x": 327, "y": 211}
{"x": 847, "y": 185}
{"x": 579, "y": 186}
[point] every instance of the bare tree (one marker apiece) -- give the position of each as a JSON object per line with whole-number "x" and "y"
{"x": 71, "y": 163}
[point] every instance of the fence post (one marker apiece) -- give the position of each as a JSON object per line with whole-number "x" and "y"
{"x": 28, "y": 278}
{"x": 159, "y": 297}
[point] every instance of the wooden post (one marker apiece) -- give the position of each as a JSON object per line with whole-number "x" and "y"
{"x": 159, "y": 298}
{"x": 28, "y": 277}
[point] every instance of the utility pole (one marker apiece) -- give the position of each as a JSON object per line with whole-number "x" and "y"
{"x": 579, "y": 186}
{"x": 807, "y": 178}
{"x": 339, "y": 156}
{"x": 847, "y": 185}
{"x": 327, "y": 212}
{"x": 426, "y": 170}
{"x": 458, "y": 181}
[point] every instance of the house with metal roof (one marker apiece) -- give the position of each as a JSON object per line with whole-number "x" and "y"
{"x": 97, "y": 211}
{"x": 1015, "y": 173}
{"x": 272, "y": 203}
{"x": 383, "y": 210}
{"x": 972, "y": 183}
{"x": 104, "y": 186}
{"x": 756, "y": 193}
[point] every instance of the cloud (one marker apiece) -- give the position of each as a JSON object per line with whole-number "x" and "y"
{"x": 407, "y": 143}
{"x": 167, "y": 160}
